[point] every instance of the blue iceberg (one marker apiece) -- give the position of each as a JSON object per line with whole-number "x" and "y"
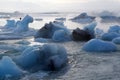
{"x": 114, "y": 28}
{"x": 110, "y": 36}
{"x": 9, "y": 68}
{"x": 97, "y": 45}
{"x": 83, "y": 18}
{"x": 10, "y": 24}
{"x": 23, "y": 24}
{"x": 116, "y": 40}
{"x": 46, "y": 57}
{"x": 61, "y": 35}
{"x": 91, "y": 28}
{"x": 28, "y": 58}
{"x": 50, "y": 31}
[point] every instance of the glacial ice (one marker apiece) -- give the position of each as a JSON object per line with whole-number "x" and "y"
{"x": 9, "y": 68}
{"x": 50, "y": 30}
{"x": 48, "y": 57}
{"x": 97, "y": 45}
{"x": 116, "y": 40}
{"x": 98, "y": 32}
{"x": 110, "y": 36}
{"x": 10, "y": 24}
{"x": 114, "y": 28}
{"x": 55, "y": 56}
{"x": 23, "y": 25}
{"x": 61, "y": 35}
{"x": 17, "y": 30}
{"x": 83, "y": 18}
{"x": 91, "y": 28}
{"x": 28, "y": 58}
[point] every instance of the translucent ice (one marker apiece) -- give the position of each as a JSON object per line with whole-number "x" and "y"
{"x": 116, "y": 40}
{"x": 110, "y": 36}
{"x": 8, "y": 67}
{"x": 97, "y": 45}
{"x": 10, "y": 24}
{"x": 23, "y": 25}
{"x": 61, "y": 35}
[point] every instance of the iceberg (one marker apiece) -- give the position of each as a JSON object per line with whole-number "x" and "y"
{"x": 48, "y": 30}
{"x": 83, "y": 18}
{"x": 9, "y": 68}
{"x": 10, "y": 24}
{"x": 116, "y": 40}
{"x": 17, "y": 30}
{"x": 99, "y": 32}
{"x": 110, "y": 36}
{"x": 97, "y": 45}
{"x": 46, "y": 57}
{"x": 23, "y": 24}
{"x": 61, "y": 35}
{"x": 55, "y": 56}
{"x": 28, "y": 58}
{"x": 91, "y": 28}
{"x": 86, "y": 34}
{"x": 114, "y": 28}
{"x": 107, "y": 16}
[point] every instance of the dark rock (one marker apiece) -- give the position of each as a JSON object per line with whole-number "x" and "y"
{"x": 81, "y": 35}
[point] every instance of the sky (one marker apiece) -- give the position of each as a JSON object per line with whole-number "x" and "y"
{"x": 58, "y": 5}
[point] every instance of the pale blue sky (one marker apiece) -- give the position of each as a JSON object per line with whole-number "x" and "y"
{"x": 58, "y": 5}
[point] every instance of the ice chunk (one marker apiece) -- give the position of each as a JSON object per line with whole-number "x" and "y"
{"x": 110, "y": 36}
{"x": 48, "y": 30}
{"x": 116, "y": 40}
{"x": 91, "y": 28}
{"x": 48, "y": 57}
{"x": 99, "y": 32}
{"x": 115, "y": 28}
{"x": 61, "y": 35}
{"x": 10, "y": 24}
{"x": 28, "y": 58}
{"x": 55, "y": 56}
{"x": 83, "y": 18}
{"x": 96, "y": 45}
{"x": 23, "y": 25}
{"x": 8, "y": 67}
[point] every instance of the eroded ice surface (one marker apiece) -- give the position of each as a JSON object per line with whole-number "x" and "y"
{"x": 9, "y": 68}
{"x": 96, "y": 45}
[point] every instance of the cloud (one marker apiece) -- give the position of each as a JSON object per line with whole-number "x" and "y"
{"x": 58, "y": 5}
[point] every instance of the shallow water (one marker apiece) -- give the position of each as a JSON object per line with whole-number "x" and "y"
{"x": 82, "y": 65}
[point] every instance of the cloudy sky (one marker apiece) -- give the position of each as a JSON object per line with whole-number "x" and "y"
{"x": 58, "y": 5}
